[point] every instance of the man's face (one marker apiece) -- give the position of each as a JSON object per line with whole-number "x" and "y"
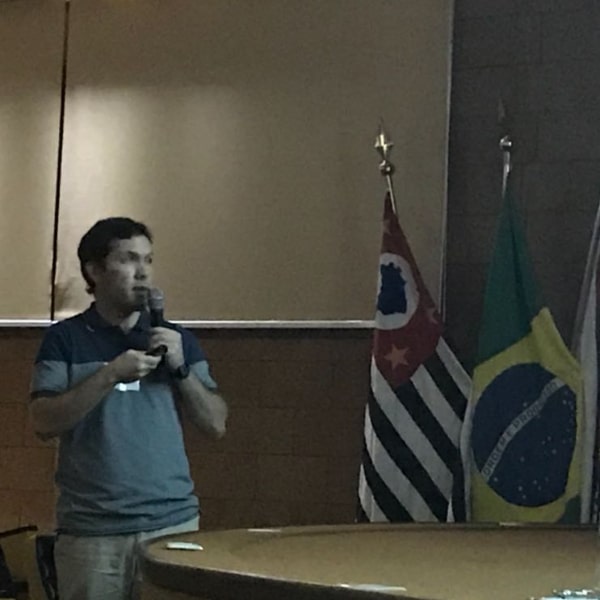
{"x": 123, "y": 280}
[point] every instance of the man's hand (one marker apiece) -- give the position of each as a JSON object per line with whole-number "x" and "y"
{"x": 172, "y": 340}
{"x": 132, "y": 365}
{"x": 56, "y": 414}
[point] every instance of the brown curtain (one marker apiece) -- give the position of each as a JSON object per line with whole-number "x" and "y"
{"x": 31, "y": 46}
{"x": 242, "y": 133}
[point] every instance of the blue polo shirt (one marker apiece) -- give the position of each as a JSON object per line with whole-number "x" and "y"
{"x": 123, "y": 467}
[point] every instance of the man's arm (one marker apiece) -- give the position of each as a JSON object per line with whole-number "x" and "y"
{"x": 206, "y": 409}
{"x": 52, "y": 415}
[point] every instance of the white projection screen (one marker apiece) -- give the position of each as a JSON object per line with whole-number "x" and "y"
{"x": 241, "y": 132}
{"x": 31, "y": 50}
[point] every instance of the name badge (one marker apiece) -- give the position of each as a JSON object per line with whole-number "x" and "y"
{"x": 131, "y": 386}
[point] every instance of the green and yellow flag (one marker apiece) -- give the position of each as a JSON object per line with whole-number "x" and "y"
{"x": 526, "y": 411}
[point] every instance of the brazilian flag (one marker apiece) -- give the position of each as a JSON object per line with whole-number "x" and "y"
{"x": 527, "y": 397}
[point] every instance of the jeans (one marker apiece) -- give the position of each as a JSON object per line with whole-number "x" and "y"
{"x": 104, "y": 567}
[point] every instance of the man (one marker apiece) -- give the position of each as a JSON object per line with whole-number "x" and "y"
{"x": 122, "y": 472}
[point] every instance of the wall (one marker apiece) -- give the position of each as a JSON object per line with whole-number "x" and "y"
{"x": 542, "y": 58}
{"x": 297, "y": 397}
{"x": 26, "y": 464}
{"x": 292, "y": 451}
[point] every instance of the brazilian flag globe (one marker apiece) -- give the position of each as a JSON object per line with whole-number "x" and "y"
{"x": 526, "y": 408}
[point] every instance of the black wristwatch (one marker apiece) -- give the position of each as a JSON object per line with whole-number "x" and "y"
{"x": 181, "y": 372}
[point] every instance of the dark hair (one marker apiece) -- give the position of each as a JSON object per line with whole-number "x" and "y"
{"x": 97, "y": 242}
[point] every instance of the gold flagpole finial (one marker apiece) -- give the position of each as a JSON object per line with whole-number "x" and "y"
{"x": 506, "y": 145}
{"x": 384, "y": 145}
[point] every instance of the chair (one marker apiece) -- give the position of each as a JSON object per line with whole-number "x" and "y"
{"x": 44, "y": 552}
{"x": 27, "y": 564}
{"x": 16, "y": 562}
{"x": 8, "y": 588}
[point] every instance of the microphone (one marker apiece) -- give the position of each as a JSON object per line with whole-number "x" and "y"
{"x": 156, "y": 306}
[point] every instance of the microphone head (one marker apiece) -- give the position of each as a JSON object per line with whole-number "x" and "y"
{"x": 156, "y": 300}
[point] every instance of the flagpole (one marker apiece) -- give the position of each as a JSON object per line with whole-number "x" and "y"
{"x": 384, "y": 145}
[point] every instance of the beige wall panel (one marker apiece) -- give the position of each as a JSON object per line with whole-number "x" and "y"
{"x": 242, "y": 132}
{"x": 31, "y": 39}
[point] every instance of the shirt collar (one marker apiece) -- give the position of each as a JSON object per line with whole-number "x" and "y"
{"x": 95, "y": 320}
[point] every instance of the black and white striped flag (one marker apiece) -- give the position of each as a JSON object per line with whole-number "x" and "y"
{"x": 418, "y": 396}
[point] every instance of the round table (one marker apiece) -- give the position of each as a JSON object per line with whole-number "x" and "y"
{"x": 373, "y": 561}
